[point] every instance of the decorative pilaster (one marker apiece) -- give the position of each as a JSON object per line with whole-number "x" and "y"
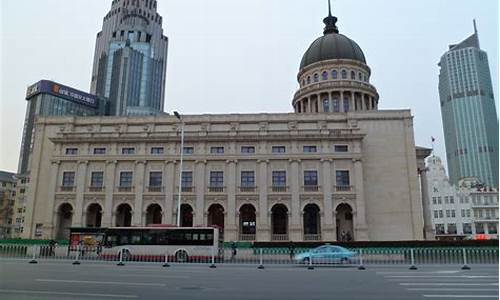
{"x": 327, "y": 222}
{"x": 81, "y": 175}
{"x": 263, "y": 229}
{"x": 109, "y": 187}
{"x": 139, "y": 190}
{"x": 51, "y": 221}
{"x": 428, "y": 230}
{"x": 230, "y": 231}
{"x": 360, "y": 227}
{"x": 170, "y": 188}
{"x": 295, "y": 228}
{"x": 200, "y": 182}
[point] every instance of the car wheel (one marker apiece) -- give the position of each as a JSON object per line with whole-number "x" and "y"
{"x": 181, "y": 256}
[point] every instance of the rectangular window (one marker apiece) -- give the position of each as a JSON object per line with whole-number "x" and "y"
{"x": 326, "y": 105}
{"x": 96, "y": 179}
{"x": 128, "y": 150}
{"x": 68, "y": 179}
{"x": 157, "y": 150}
{"x": 310, "y": 178}
{"x": 346, "y": 104}
{"x": 440, "y": 213}
{"x": 342, "y": 178}
{"x": 467, "y": 228}
{"x": 217, "y": 150}
{"x": 99, "y": 150}
{"x": 279, "y": 178}
{"x": 468, "y": 213}
{"x": 187, "y": 179}
{"x": 439, "y": 228}
{"x": 492, "y": 228}
{"x": 434, "y": 200}
{"x": 310, "y": 149}
{"x": 126, "y": 179}
{"x": 155, "y": 178}
{"x": 436, "y": 215}
{"x": 446, "y": 199}
{"x": 71, "y": 151}
{"x": 336, "y": 106}
{"x": 341, "y": 148}
{"x": 463, "y": 213}
{"x": 479, "y": 228}
{"x": 452, "y": 228}
{"x": 188, "y": 150}
{"x": 247, "y": 178}
{"x": 216, "y": 179}
{"x": 439, "y": 200}
{"x": 447, "y": 213}
{"x": 247, "y": 149}
{"x": 278, "y": 149}
{"x": 453, "y": 213}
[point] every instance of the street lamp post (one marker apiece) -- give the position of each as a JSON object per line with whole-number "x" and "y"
{"x": 178, "y": 116}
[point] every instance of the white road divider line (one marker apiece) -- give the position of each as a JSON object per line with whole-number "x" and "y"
{"x": 449, "y": 283}
{"x": 101, "y": 282}
{"x": 461, "y": 296}
{"x": 452, "y": 289}
{"x": 7, "y": 291}
{"x": 440, "y": 276}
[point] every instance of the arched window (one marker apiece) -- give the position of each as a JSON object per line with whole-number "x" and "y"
{"x": 308, "y": 79}
{"x": 334, "y": 74}
{"x": 344, "y": 74}
{"x": 316, "y": 77}
{"x": 366, "y": 78}
{"x": 360, "y": 76}
{"x": 324, "y": 75}
{"x": 326, "y": 105}
{"x": 353, "y": 75}
{"x": 336, "y": 107}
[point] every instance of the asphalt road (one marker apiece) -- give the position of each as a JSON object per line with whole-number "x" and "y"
{"x": 62, "y": 280}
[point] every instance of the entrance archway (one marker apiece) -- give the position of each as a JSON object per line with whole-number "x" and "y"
{"x": 94, "y": 215}
{"x": 279, "y": 222}
{"x": 312, "y": 222}
{"x": 216, "y": 215}
{"x": 64, "y": 221}
{"x": 186, "y": 215}
{"x": 247, "y": 222}
{"x": 123, "y": 215}
{"x": 345, "y": 228}
{"x": 153, "y": 214}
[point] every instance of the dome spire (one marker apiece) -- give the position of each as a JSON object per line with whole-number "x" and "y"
{"x": 330, "y": 21}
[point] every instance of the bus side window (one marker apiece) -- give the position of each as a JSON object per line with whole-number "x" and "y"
{"x": 202, "y": 237}
{"x": 195, "y": 236}
{"x": 135, "y": 238}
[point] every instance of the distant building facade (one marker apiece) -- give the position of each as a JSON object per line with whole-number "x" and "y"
{"x": 7, "y": 203}
{"x": 466, "y": 210}
{"x": 130, "y": 59}
{"x": 337, "y": 168}
{"x": 469, "y": 115}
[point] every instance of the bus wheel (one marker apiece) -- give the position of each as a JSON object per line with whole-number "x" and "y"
{"x": 126, "y": 254}
{"x": 181, "y": 256}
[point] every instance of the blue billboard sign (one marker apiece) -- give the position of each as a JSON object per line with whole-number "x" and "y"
{"x": 59, "y": 90}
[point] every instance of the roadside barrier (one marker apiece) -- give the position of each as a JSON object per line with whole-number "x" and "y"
{"x": 463, "y": 257}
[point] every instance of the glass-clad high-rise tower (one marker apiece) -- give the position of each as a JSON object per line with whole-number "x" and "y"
{"x": 130, "y": 59}
{"x": 470, "y": 120}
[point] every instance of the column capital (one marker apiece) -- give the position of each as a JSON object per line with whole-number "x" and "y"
{"x": 109, "y": 162}
{"x": 326, "y": 160}
{"x": 83, "y": 162}
{"x": 357, "y": 160}
{"x": 294, "y": 160}
{"x": 229, "y": 161}
{"x": 201, "y": 161}
{"x": 55, "y": 162}
{"x": 263, "y": 161}
{"x": 137, "y": 162}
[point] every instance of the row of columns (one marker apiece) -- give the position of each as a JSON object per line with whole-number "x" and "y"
{"x": 231, "y": 228}
{"x": 314, "y": 103}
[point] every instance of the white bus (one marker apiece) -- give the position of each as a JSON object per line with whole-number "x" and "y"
{"x": 181, "y": 244}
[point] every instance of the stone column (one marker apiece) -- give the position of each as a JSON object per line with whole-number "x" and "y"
{"x": 428, "y": 232}
{"x": 81, "y": 175}
{"x": 50, "y": 222}
{"x": 327, "y": 223}
{"x": 352, "y": 106}
{"x": 320, "y": 104}
{"x": 170, "y": 188}
{"x": 139, "y": 190}
{"x": 263, "y": 228}
{"x": 360, "y": 227}
{"x": 109, "y": 187}
{"x": 309, "y": 100}
{"x": 330, "y": 97}
{"x": 294, "y": 227}
{"x": 231, "y": 230}
{"x": 200, "y": 192}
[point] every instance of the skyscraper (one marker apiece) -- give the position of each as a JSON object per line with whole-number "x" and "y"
{"x": 130, "y": 59}
{"x": 470, "y": 121}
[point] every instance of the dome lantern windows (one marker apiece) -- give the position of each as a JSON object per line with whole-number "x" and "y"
{"x": 308, "y": 79}
{"x": 316, "y": 77}
{"x": 344, "y": 74}
{"x": 334, "y": 74}
{"x": 324, "y": 75}
{"x": 353, "y": 75}
{"x": 360, "y": 76}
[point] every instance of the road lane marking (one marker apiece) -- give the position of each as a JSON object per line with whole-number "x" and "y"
{"x": 153, "y": 275}
{"x": 461, "y": 296}
{"x": 67, "y": 294}
{"x": 441, "y": 276}
{"x": 419, "y": 272}
{"x": 452, "y": 289}
{"x": 448, "y": 283}
{"x": 101, "y": 282}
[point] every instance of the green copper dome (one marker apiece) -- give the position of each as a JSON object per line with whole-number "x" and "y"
{"x": 332, "y": 45}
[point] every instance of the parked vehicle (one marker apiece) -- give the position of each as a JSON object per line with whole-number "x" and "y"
{"x": 327, "y": 254}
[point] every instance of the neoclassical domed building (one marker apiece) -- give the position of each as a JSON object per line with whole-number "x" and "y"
{"x": 335, "y": 168}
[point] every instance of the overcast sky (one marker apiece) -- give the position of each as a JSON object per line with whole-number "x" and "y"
{"x": 242, "y": 56}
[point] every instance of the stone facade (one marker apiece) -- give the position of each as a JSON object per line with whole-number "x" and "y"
{"x": 7, "y": 203}
{"x": 356, "y": 171}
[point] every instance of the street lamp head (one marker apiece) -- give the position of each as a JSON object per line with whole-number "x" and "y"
{"x": 177, "y": 115}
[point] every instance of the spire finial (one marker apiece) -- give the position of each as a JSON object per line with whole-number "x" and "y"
{"x": 475, "y": 27}
{"x": 330, "y": 22}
